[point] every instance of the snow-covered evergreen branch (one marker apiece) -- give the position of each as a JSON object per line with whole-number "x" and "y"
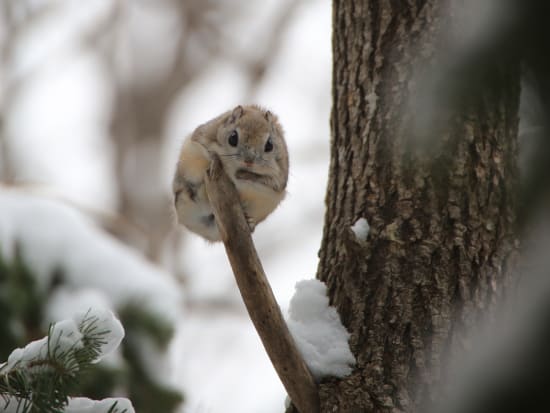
{"x": 41, "y": 376}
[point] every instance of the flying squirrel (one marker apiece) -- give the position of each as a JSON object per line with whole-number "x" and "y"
{"x": 250, "y": 143}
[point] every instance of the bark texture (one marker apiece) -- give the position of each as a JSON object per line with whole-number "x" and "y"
{"x": 441, "y": 243}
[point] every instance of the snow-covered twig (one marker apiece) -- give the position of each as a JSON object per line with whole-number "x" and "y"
{"x": 256, "y": 291}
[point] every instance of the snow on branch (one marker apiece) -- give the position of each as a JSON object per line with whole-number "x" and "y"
{"x": 108, "y": 405}
{"x": 53, "y": 237}
{"x": 40, "y": 376}
{"x": 256, "y": 291}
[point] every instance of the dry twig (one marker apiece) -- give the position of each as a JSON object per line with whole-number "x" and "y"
{"x": 256, "y": 291}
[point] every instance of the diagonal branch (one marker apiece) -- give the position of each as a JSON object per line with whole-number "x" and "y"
{"x": 256, "y": 291}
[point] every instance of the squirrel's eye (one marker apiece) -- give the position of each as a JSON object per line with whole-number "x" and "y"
{"x": 268, "y": 145}
{"x": 233, "y": 138}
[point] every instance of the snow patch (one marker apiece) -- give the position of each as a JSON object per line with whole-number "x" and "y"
{"x": 105, "y": 322}
{"x": 77, "y": 405}
{"x": 319, "y": 335}
{"x": 53, "y": 236}
{"x": 67, "y": 302}
{"x": 64, "y": 337}
{"x": 84, "y": 405}
{"x": 361, "y": 229}
{"x": 371, "y": 99}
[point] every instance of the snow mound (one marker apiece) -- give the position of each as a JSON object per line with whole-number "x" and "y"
{"x": 319, "y": 335}
{"x": 361, "y": 229}
{"x": 67, "y": 336}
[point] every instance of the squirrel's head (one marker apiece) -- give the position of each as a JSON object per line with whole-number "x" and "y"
{"x": 251, "y": 143}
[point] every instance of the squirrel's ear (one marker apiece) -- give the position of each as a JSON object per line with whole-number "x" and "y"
{"x": 268, "y": 116}
{"x": 236, "y": 114}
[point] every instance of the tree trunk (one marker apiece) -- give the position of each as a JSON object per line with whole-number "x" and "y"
{"x": 441, "y": 245}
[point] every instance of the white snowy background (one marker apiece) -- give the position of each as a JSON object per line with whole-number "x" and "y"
{"x": 56, "y": 135}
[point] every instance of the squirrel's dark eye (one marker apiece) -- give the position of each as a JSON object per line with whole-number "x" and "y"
{"x": 268, "y": 145}
{"x": 233, "y": 138}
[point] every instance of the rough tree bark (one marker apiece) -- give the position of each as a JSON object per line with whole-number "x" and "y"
{"x": 442, "y": 244}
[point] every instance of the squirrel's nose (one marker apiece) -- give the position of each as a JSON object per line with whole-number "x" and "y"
{"x": 248, "y": 159}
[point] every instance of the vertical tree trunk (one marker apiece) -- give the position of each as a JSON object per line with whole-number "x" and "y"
{"x": 441, "y": 243}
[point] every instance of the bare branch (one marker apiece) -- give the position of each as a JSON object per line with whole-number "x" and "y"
{"x": 256, "y": 291}
{"x": 257, "y": 67}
